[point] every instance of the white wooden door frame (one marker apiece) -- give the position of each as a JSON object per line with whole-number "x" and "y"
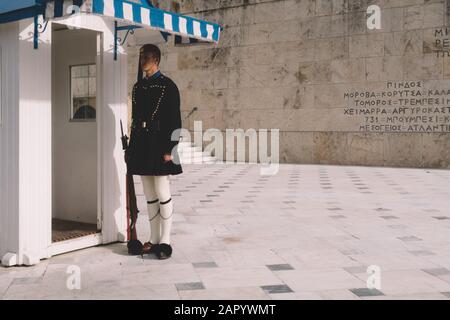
{"x": 97, "y": 238}
{"x": 99, "y": 119}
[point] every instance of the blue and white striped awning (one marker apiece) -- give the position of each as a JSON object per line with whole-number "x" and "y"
{"x": 137, "y": 13}
{"x": 18, "y": 9}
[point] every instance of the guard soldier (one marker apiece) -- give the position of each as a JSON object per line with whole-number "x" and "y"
{"x": 152, "y": 152}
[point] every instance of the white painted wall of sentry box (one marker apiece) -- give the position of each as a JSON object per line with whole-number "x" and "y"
{"x": 27, "y": 159}
{"x": 54, "y": 167}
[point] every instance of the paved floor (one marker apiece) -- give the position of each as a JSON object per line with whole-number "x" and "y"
{"x": 308, "y": 232}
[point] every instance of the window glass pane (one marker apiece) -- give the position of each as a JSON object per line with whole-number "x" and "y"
{"x": 83, "y": 92}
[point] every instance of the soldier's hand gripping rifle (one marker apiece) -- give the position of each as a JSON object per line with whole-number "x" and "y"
{"x": 134, "y": 245}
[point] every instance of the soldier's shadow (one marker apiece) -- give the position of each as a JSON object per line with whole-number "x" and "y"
{"x": 121, "y": 249}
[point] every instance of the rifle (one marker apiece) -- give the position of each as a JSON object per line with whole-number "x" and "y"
{"x": 134, "y": 245}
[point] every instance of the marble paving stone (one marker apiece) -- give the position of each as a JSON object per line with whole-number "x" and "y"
{"x": 437, "y": 271}
{"x": 430, "y": 210}
{"x": 339, "y": 294}
{"x": 412, "y": 296}
{"x": 189, "y": 286}
{"x": 5, "y": 282}
{"x": 232, "y": 277}
{"x": 127, "y": 291}
{"x": 338, "y": 216}
{"x": 208, "y": 264}
{"x": 389, "y": 217}
{"x": 228, "y": 246}
{"x": 397, "y": 226}
{"x": 356, "y": 269}
{"x": 365, "y": 292}
{"x": 382, "y": 209}
{"x": 28, "y": 280}
{"x": 407, "y": 282}
{"x": 238, "y": 293}
{"x": 393, "y": 261}
{"x": 421, "y": 252}
{"x": 296, "y": 296}
{"x": 351, "y": 252}
{"x": 30, "y": 291}
{"x": 280, "y": 267}
{"x": 281, "y": 288}
{"x": 409, "y": 238}
{"x": 319, "y": 280}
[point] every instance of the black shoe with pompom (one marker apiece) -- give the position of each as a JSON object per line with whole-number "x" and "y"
{"x": 134, "y": 247}
{"x": 164, "y": 251}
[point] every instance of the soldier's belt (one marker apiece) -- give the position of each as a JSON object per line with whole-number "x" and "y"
{"x": 146, "y": 125}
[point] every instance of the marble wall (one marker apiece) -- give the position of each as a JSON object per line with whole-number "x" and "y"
{"x": 338, "y": 92}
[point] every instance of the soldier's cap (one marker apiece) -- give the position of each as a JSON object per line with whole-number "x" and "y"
{"x": 150, "y": 48}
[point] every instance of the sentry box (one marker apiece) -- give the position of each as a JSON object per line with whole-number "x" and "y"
{"x": 64, "y": 83}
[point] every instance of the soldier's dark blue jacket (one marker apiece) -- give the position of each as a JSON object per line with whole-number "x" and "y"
{"x": 156, "y": 96}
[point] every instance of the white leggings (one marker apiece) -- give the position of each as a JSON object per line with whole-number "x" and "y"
{"x": 159, "y": 206}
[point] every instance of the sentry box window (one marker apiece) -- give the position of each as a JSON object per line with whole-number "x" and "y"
{"x": 83, "y": 92}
